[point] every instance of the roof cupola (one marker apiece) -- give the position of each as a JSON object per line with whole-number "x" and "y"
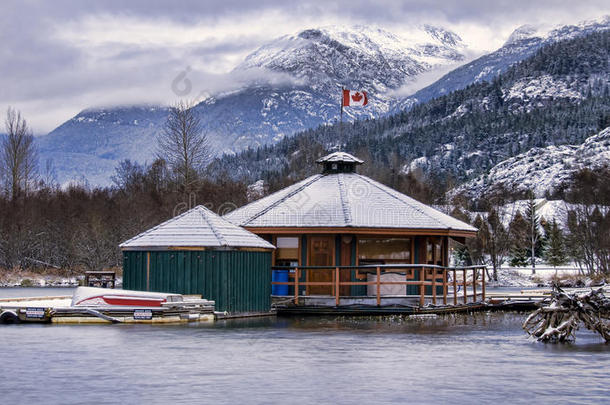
{"x": 339, "y": 162}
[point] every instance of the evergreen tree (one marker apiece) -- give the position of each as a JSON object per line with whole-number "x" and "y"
{"x": 518, "y": 231}
{"x": 518, "y": 256}
{"x": 556, "y": 251}
{"x": 533, "y": 232}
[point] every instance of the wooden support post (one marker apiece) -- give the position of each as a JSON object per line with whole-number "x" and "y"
{"x": 454, "y": 287}
{"x": 483, "y": 284}
{"x": 336, "y": 286}
{"x": 422, "y": 287}
{"x": 474, "y": 285}
{"x": 444, "y": 286}
{"x": 434, "y": 286}
{"x": 465, "y": 286}
{"x": 296, "y": 286}
{"x": 378, "y": 286}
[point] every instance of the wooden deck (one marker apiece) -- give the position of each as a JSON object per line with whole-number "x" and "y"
{"x": 436, "y": 285}
{"x": 446, "y": 289}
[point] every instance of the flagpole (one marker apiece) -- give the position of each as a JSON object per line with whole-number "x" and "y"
{"x": 341, "y": 121}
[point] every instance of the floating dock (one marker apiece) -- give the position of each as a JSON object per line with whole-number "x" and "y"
{"x": 107, "y": 306}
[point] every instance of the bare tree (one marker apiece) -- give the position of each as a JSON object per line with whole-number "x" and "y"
{"x": 184, "y": 145}
{"x": 18, "y": 155}
{"x": 495, "y": 239}
{"x": 588, "y": 240}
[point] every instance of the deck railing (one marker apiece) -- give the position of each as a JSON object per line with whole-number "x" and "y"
{"x": 451, "y": 279}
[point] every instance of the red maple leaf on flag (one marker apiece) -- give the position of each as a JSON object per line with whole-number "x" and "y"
{"x": 354, "y": 98}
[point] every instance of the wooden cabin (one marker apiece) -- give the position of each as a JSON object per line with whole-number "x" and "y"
{"x": 342, "y": 234}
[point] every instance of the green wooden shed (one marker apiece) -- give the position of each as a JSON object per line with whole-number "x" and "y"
{"x": 198, "y": 252}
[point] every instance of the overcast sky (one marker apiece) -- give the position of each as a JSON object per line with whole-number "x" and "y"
{"x": 59, "y": 57}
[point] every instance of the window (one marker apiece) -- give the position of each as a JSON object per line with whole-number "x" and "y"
{"x": 287, "y": 248}
{"x": 434, "y": 251}
{"x": 384, "y": 249}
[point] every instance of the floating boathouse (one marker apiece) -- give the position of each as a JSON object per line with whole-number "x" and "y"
{"x": 344, "y": 239}
{"x": 199, "y": 252}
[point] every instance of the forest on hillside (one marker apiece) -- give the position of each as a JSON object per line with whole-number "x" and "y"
{"x": 488, "y": 128}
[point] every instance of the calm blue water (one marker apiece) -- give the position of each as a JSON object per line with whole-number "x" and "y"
{"x": 477, "y": 358}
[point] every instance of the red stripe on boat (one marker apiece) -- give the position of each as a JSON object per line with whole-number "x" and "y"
{"x": 125, "y": 301}
{"x": 133, "y": 302}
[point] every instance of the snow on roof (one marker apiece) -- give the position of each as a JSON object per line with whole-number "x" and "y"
{"x": 342, "y": 200}
{"x": 340, "y": 157}
{"x": 198, "y": 227}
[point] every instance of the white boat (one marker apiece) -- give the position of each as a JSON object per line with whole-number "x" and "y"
{"x": 103, "y": 297}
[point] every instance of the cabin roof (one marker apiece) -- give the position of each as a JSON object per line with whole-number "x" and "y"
{"x": 338, "y": 200}
{"x": 198, "y": 227}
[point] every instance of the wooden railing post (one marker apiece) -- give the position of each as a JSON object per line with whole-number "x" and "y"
{"x": 455, "y": 287}
{"x": 474, "y": 285}
{"x": 483, "y": 284}
{"x": 464, "y": 281}
{"x": 422, "y": 287}
{"x": 444, "y": 286}
{"x": 337, "y": 286}
{"x": 296, "y": 286}
{"x": 434, "y": 286}
{"x": 437, "y": 272}
{"x": 378, "y": 286}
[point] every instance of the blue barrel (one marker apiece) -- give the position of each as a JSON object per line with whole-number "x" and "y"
{"x": 282, "y": 277}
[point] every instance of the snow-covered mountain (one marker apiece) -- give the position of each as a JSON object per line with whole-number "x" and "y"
{"x": 558, "y": 96}
{"x": 320, "y": 62}
{"x": 521, "y": 44}
{"x": 315, "y": 62}
{"x": 312, "y": 66}
{"x": 89, "y": 146}
{"x": 542, "y": 169}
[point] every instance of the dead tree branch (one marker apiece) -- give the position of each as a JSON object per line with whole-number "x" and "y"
{"x": 560, "y": 319}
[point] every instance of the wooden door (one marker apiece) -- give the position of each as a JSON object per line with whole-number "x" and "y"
{"x": 321, "y": 253}
{"x": 346, "y": 260}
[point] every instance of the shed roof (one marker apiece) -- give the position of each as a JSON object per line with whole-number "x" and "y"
{"x": 198, "y": 227}
{"x": 348, "y": 200}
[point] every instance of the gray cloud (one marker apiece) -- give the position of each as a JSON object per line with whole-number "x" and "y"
{"x": 63, "y": 56}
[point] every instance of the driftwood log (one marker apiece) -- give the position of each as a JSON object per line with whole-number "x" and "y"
{"x": 559, "y": 319}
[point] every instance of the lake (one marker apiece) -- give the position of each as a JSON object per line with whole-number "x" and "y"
{"x": 480, "y": 358}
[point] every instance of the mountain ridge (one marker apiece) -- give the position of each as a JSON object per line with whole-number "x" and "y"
{"x": 264, "y": 112}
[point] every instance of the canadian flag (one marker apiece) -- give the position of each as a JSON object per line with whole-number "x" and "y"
{"x": 353, "y": 98}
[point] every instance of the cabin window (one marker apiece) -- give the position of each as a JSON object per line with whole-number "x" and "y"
{"x": 434, "y": 251}
{"x": 384, "y": 250}
{"x": 287, "y": 249}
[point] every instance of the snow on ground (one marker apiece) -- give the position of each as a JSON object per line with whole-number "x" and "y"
{"x": 523, "y": 277}
{"x": 511, "y": 278}
{"x": 28, "y": 279}
{"x": 39, "y": 303}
